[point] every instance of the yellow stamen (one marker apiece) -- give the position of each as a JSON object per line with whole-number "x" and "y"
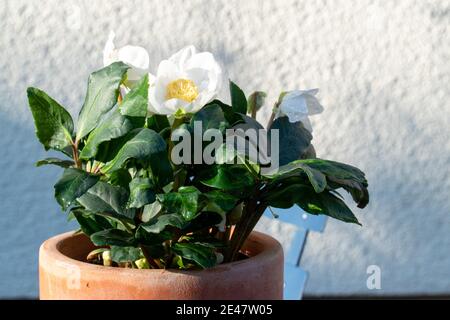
{"x": 182, "y": 89}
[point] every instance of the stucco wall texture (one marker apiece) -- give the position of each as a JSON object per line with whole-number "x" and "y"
{"x": 384, "y": 73}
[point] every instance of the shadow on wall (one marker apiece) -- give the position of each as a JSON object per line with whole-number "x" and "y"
{"x": 29, "y": 214}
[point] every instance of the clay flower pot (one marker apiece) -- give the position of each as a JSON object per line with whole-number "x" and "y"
{"x": 64, "y": 275}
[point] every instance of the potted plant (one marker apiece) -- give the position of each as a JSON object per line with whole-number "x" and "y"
{"x": 165, "y": 195}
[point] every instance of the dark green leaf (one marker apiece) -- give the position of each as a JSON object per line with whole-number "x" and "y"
{"x": 113, "y": 237}
{"x": 295, "y": 140}
{"x": 130, "y": 115}
{"x": 310, "y": 201}
{"x": 104, "y": 197}
{"x": 231, "y": 116}
{"x": 158, "y": 224}
{"x": 115, "y": 125}
{"x": 141, "y": 192}
{"x": 220, "y": 202}
{"x": 211, "y": 117}
{"x": 238, "y": 99}
{"x": 340, "y": 175}
{"x": 125, "y": 254}
{"x": 188, "y": 201}
{"x": 135, "y": 102}
{"x": 149, "y": 148}
{"x": 316, "y": 178}
{"x": 158, "y": 122}
{"x": 101, "y": 96}
{"x": 90, "y": 223}
{"x": 73, "y": 184}
{"x": 54, "y": 125}
{"x": 336, "y": 208}
{"x": 55, "y": 162}
{"x": 204, "y": 256}
{"x": 227, "y": 177}
{"x": 152, "y": 239}
{"x": 120, "y": 178}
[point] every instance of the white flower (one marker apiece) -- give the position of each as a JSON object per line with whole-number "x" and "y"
{"x": 297, "y": 105}
{"x": 185, "y": 82}
{"x": 136, "y": 57}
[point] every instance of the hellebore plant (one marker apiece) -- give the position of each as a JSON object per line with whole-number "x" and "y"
{"x": 141, "y": 205}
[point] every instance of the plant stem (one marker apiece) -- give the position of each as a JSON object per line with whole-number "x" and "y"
{"x": 272, "y": 117}
{"x": 245, "y": 229}
{"x": 75, "y": 154}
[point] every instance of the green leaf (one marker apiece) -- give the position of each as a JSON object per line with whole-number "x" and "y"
{"x": 158, "y": 122}
{"x": 220, "y": 202}
{"x": 336, "y": 208}
{"x": 101, "y": 96}
{"x": 90, "y": 223}
{"x": 255, "y": 102}
{"x": 104, "y": 197}
{"x": 150, "y": 211}
{"x": 125, "y": 254}
{"x": 128, "y": 116}
{"x": 227, "y": 177}
{"x": 120, "y": 178}
{"x": 135, "y": 102}
{"x": 231, "y": 116}
{"x": 114, "y": 126}
{"x": 55, "y": 162}
{"x": 149, "y": 239}
{"x": 141, "y": 192}
{"x": 188, "y": 201}
{"x": 149, "y": 148}
{"x": 316, "y": 178}
{"x": 340, "y": 175}
{"x": 158, "y": 224}
{"x": 54, "y": 125}
{"x": 204, "y": 256}
{"x": 238, "y": 99}
{"x": 295, "y": 140}
{"x": 310, "y": 201}
{"x": 211, "y": 117}
{"x": 73, "y": 184}
{"x": 113, "y": 237}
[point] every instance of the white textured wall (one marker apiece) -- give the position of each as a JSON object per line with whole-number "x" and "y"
{"x": 384, "y": 74}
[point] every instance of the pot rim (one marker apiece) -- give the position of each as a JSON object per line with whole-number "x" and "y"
{"x": 269, "y": 247}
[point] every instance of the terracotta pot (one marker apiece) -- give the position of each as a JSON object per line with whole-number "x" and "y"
{"x": 64, "y": 275}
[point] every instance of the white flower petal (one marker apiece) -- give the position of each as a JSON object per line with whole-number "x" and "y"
{"x": 201, "y": 68}
{"x": 298, "y": 104}
{"x": 314, "y": 106}
{"x": 167, "y": 72}
{"x": 173, "y": 105}
{"x": 182, "y": 56}
{"x": 151, "y": 79}
{"x": 136, "y": 57}
{"x": 294, "y": 106}
{"x": 200, "y": 78}
{"x": 204, "y": 98}
{"x": 109, "y": 51}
